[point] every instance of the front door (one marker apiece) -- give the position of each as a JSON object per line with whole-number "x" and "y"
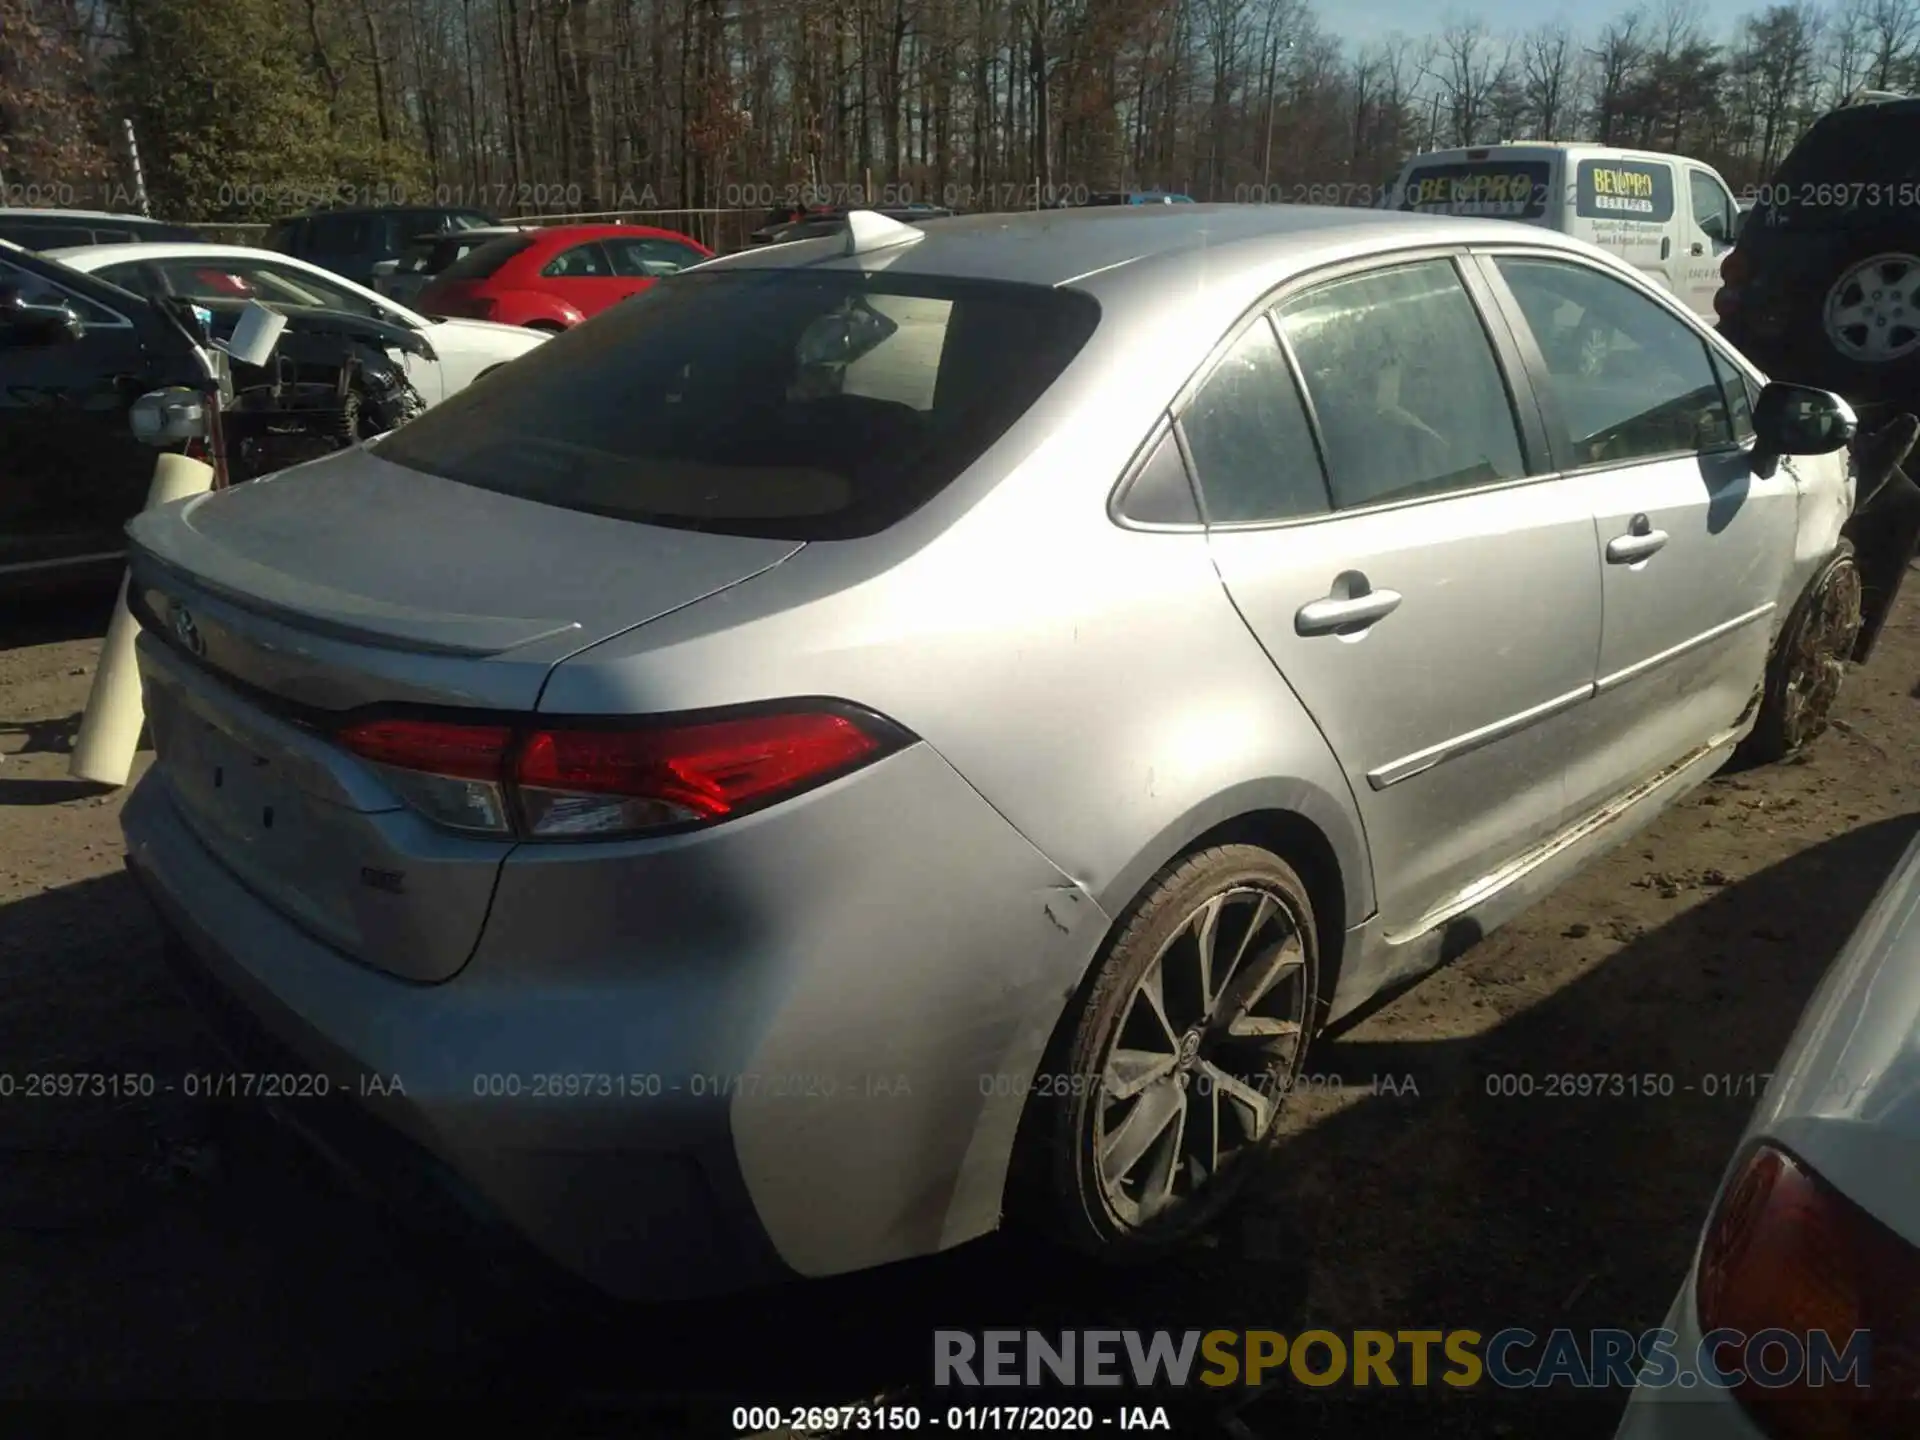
{"x": 1712, "y": 223}
{"x": 1434, "y": 602}
{"x": 1652, "y": 424}
{"x": 71, "y": 472}
{"x": 583, "y": 276}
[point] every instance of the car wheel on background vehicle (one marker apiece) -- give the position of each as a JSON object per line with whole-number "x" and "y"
{"x": 1872, "y": 313}
{"x": 1808, "y": 663}
{"x": 1168, "y": 1081}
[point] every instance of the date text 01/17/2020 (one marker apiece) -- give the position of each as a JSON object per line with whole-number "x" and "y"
{"x": 961, "y": 1419}
{"x": 194, "y": 1085}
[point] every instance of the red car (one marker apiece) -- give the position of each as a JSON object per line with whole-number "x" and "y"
{"x": 554, "y": 278}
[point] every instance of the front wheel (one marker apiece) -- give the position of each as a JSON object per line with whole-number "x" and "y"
{"x": 1808, "y": 663}
{"x": 1170, "y": 1081}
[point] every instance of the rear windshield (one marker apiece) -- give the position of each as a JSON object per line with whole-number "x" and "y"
{"x": 481, "y": 264}
{"x": 788, "y": 403}
{"x": 1854, "y": 166}
{"x": 1503, "y": 189}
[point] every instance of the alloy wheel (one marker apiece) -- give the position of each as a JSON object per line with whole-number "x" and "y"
{"x": 1872, "y": 314}
{"x": 1204, "y": 1054}
{"x": 1820, "y": 653}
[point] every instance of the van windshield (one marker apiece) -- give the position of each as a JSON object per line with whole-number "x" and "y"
{"x": 1501, "y": 189}
{"x": 1852, "y": 168}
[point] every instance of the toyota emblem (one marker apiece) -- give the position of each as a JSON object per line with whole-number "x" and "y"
{"x": 186, "y": 632}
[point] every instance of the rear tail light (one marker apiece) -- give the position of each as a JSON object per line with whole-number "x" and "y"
{"x": 572, "y": 783}
{"x": 1788, "y": 1253}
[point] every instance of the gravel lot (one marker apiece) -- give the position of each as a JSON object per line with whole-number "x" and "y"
{"x": 174, "y": 1248}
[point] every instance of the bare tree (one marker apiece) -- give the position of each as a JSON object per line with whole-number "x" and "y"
{"x": 1547, "y": 74}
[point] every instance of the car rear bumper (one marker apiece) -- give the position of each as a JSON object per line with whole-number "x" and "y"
{"x": 798, "y": 1045}
{"x": 650, "y": 1222}
{"x": 1687, "y": 1406}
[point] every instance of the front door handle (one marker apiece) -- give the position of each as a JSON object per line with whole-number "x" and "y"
{"x": 1640, "y": 541}
{"x": 1666, "y": 246}
{"x": 1353, "y": 605}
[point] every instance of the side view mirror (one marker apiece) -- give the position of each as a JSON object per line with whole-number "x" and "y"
{"x": 37, "y": 324}
{"x": 1798, "y": 420}
{"x": 165, "y": 418}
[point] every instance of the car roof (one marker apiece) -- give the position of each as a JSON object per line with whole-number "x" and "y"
{"x": 568, "y": 233}
{"x": 101, "y": 255}
{"x": 35, "y": 212}
{"x": 1178, "y": 245}
{"x": 1534, "y": 149}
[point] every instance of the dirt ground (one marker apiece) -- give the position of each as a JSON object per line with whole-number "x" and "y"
{"x": 163, "y": 1247}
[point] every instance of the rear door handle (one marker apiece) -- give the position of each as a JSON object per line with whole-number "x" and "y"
{"x": 1336, "y": 612}
{"x": 1640, "y": 541}
{"x": 1666, "y": 246}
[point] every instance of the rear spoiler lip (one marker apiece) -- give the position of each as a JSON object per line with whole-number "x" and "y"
{"x": 156, "y": 554}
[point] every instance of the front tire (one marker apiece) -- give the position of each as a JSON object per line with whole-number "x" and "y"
{"x": 1160, "y": 1095}
{"x": 1809, "y": 661}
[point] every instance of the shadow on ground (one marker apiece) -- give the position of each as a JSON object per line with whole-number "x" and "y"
{"x": 157, "y": 1247}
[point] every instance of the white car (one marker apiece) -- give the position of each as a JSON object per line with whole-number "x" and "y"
{"x": 1671, "y": 217}
{"x": 463, "y": 350}
{"x": 1815, "y": 1234}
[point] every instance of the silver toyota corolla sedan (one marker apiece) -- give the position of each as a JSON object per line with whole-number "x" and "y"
{"x": 890, "y": 731}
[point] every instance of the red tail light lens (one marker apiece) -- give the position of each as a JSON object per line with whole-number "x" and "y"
{"x": 568, "y": 783}
{"x": 1787, "y": 1252}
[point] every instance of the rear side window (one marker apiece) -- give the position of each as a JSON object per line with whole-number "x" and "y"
{"x": 789, "y": 403}
{"x": 1624, "y": 190}
{"x": 1252, "y": 447}
{"x": 484, "y": 262}
{"x": 1503, "y": 189}
{"x": 1409, "y": 395}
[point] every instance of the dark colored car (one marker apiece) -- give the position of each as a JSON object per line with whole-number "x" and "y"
{"x": 832, "y": 221}
{"x": 73, "y": 473}
{"x": 76, "y": 352}
{"x": 432, "y": 255}
{"x": 555, "y": 277}
{"x": 353, "y": 243}
{"x": 1823, "y": 286}
{"x": 36, "y": 229}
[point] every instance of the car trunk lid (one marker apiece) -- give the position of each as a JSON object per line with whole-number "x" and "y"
{"x": 276, "y": 610}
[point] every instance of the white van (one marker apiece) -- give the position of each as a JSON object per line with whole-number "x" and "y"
{"x": 1672, "y": 218}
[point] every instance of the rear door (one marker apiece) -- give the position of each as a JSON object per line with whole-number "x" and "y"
{"x": 1432, "y": 594}
{"x": 583, "y": 276}
{"x": 1480, "y": 183}
{"x": 1651, "y": 423}
{"x": 1712, "y": 220}
{"x": 1629, "y": 208}
{"x": 71, "y": 472}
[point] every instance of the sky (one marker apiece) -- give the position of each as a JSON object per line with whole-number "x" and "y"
{"x": 1359, "y": 21}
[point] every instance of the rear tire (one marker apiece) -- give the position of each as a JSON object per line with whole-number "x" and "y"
{"x": 1157, "y": 1101}
{"x": 1808, "y": 663}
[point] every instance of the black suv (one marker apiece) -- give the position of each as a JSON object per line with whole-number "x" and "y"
{"x": 1823, "y": 287}
{"x": 35, "y": 229}
{"x": 351, "y": 243}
